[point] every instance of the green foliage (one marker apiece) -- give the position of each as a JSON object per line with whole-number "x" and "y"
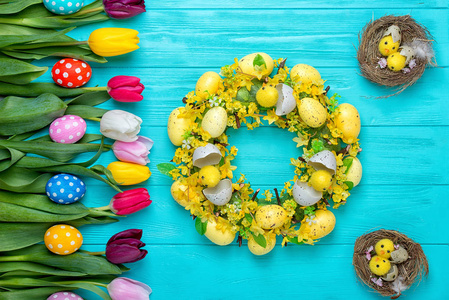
{"x": 19, "y": 72}
{"x": 165, "y": 168}
{"x": 347, "y": 162}
{"x": 200, "y": 226}
{"x": 259, "y": 61}
{"x": 350, "y": 185}
{"x": 245, "y": 96}
{"x": 260, "y": 239}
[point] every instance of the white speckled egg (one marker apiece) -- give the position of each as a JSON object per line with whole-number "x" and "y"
{"x": 219, "y": 194}
{"x": 286, "y": 102}
{"x": 206, "y": 156}
{"x": 67, "y": 129}
{"x": 324, "y": 160}
{"x": 215, "y": 121}
{"x": 304, "y": 194}
{"x": 65, "y": 188}
{"x": 63, "y": 296}
{"x": 64, "y": 7}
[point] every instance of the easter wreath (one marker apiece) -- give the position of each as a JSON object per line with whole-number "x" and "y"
{"x": 394, "y": 51}
{"x": 291, "y": 99}
{"x": 389, "y": 261}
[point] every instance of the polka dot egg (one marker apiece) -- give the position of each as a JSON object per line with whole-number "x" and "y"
{"x": 65, "y": 188}
{"x": 64, "y": 7}
{"x": 63, "y": 239}
{"x": 64, "y": 296}
{"x": 71, "y": 72}
{"x": 68, "y": 129}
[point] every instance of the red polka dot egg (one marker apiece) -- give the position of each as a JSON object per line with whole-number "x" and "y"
{"x": 68, "y": 129}
{"x": 63, "y": 239}
{"x": 71, "y": 73}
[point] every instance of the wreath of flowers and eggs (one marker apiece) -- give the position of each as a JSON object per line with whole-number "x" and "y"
{"x": 246, "y": 93}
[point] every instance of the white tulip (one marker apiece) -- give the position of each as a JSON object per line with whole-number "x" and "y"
{"x": 120, "y": 125}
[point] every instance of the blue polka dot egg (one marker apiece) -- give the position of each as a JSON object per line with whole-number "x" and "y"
{"x": 64, "y": 7}
{"x": 65, "y": 188}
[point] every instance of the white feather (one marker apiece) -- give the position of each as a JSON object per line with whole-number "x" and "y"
{"x": 423, "y": 50}
{"x": 398, "y": 286}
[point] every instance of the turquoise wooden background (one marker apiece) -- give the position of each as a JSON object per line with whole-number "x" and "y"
{"x": 404, "y": 140}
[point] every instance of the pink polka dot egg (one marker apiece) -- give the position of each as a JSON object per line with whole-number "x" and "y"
{"x": 64, "y": 7}
{"x": 71, "y": 72}
{"x": 64, "y": 296}
{"x": 63, "y": 239}
{"x": 67, "y": 129}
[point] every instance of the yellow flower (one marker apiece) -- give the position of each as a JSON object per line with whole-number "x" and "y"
{"x": 128, "y": 173}
{"x": 113, "y": 41}
{"x": 271, "y": 116}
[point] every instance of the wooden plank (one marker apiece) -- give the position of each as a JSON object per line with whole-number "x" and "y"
{"x": 313, "y": 272}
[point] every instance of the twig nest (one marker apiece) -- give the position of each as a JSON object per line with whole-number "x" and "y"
{"x": 380, "y": 38}
{"x": 408, "y": 262}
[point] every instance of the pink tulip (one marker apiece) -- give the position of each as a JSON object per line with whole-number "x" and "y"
{"x": 130, "y": 201}
{"x": 133, "y": 152}
{"x": 123, "y": 288}
{"x": 125, "y": 88}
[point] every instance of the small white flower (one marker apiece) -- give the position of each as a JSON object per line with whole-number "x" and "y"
{"x": 214, "y": 102}
{"x": 186, "y": 144}
{"x": 382, "y": 63}
{"x": 310, "y": 220}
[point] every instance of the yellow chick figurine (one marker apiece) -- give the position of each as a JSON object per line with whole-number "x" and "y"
{"x": 384, "y": 248}
{"x": 396, "y": 62}
{"x": 390, "y": 41}
{"x": 379, "y": 266}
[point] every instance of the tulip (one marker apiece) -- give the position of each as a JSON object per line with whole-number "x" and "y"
{"x": 125, "y": 88}
{"x": 133, "y": 152}
{"x": 120, "y": 125}
{"x": 113, "y": 41}
{"x": 123, "y": 9}
{"x": 130, "y": 201}
{"x": 123, "y": 288}
{"x": 124, "y": 247}
{"x": 128, "y": 173}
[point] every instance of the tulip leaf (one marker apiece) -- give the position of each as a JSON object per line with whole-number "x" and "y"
{"x": 15, "y": 213}
{"x": 165, "y": 168}
{"x": 8, "y": 40}
{"x": 200, "y": 226}
{"x": 8, "y": 267}
{"x": 92, "y": 99}
{"x": 21, "y": 180}
{"x": 32, "y": 293}
{"x": 260, "y": 239}
{"x": 8, "y": 161}
{"x": 78, "y": 52}
{"x": 19, "y": 72}
{"x": 85, "y": 111}
{"x": 35, "y": 89}
{"x": 12, "y": 7}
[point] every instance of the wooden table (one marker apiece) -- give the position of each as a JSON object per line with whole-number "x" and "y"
{"x": 404, "y": 140}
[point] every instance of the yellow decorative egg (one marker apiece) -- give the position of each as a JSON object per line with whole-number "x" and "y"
{"x": 271, "y": 216}
{"x": 209, "y": 176}
{"x": 215, "y": 121}
{"x": 257, "y": 249}
{"x": 384, "y": 248}
{"x": 177, "y": 127}
{"x": 267, "y": 96}
{"x": 379, "y": 265}
{"x": 347, "y": 119}
{"x": 396, "y": 62}
{"x": 387, "y": 46}
{"x": 63, "y": 239}
{"x": 312, "y": 112}
{"x": 321, "y": 180}
{"x": 355, "y": 171}
{"x": 305, "y": 73}
{"x": 181, "y": 193}
{"x": 208, "y": 84}
{"x": 319, "y": 225}
{"x": 257, "y": 64}
{"x": 220, "y": 236}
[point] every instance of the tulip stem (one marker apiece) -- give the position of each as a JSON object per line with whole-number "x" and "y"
{"x": 96, "y": 88}
{"x": 94, "y": 119}
{"x": 42, "y": 45}
{"x": 96, "y": 253}
{"x": 88, "y": 11}
{"x": 107, "y": 207}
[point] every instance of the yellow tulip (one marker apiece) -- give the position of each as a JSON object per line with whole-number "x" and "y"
{"x": 113, "y": 41}
{"x": 128, "y": 173}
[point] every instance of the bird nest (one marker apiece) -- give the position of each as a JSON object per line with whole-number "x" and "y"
{"x": 408, "y": 272}
{"x": 368, "y": 53}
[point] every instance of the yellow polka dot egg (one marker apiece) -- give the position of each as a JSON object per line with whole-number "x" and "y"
{"x": 63, "y": 239}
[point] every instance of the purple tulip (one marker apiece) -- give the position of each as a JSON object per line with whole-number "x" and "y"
{"x": 133, "y": 152}
{"x": 123, "y": 9}
{"x": 123, "y": 288}
{"x": 130, "y": 201}
{"x": 124, "y": 247}
{"x": 125, "y": 88}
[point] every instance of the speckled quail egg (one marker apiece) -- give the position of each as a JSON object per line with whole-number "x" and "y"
{"x": 399, "y": 256}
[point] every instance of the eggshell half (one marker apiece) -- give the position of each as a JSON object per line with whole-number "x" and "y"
{"x": 286, "y": 102}
{"x": 395, "y": 33}
{"x": 219, "y": 194}
{"x": 206, "y": 156}
{"x": 304, "y": 194}
{"x": 324, "y": 160}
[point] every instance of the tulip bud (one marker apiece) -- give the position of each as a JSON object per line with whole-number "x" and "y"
{"x": 133, "y": 152}
{"x": 128, "y": 173}
{"x": 125, "y": 88}
{"x": 123, "y": 288}
{"x": 120, "y": 125}
{"x": 130, "y": 201}
{"x": 124, "y": 247}
{"x": 123, "y": 9}
{"x": 113, "y": 41}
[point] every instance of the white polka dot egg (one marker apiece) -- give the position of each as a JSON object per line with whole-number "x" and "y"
{"x": 65, "y": 188}
{"x": 64, "y": 296}
{"x": 68, "y": 129}
{"x": 64, "y": 7}
{"x": 63, "y": 239}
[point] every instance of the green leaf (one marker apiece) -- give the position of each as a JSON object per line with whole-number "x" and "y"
{"x": 350, "y": 185}
{"x": 249, "y": 218}
{"x": 299, "y": 214}
{"x": 15, "y": 213}
{"x": 85, "y": 111}
{"x": 8, "y": 40}
{"x": 19, "y": 72}
{"x": 36, "y": 89}
{"x": 259, "y": 61}
{"x": 200, "y": 226}
{"x": 294, "y": 240}
{"x": 245, "y": 96}
{"x": 92, "y": 99}
{"x": 32, "y": 293}
{"x": 8, "y": 267}
{"x": 13, "y": 7}
{"x": 347, "y": 162}
{"x": 165, "y": 168}
{"x": 260, "y": 239}
{"x": 10, "y": 157}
